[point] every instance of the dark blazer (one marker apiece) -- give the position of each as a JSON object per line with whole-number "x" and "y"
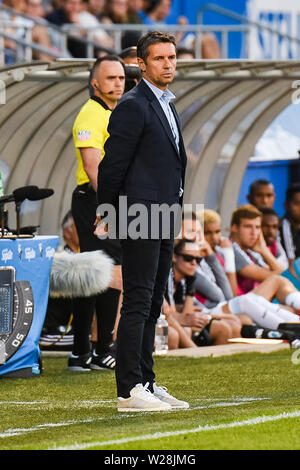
{"x": 141, "y": 158}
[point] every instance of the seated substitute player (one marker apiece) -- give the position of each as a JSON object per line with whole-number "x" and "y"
{"x": 261, "y": 193}
{"x": 253, "y": 309}
{"x": 270, "y": 229}
{"x": 253, "y": 260}
{"x": 290, "y": 224}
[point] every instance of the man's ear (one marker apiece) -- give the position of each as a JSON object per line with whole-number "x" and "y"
{"x": 141, "y": 64}
{"x": 94, "y": 83}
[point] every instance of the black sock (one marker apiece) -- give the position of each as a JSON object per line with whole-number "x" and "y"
{"x": 83, "y": 311}
{"x": 252, "y": 331}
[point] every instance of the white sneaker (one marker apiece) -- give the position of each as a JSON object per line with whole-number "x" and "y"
{"x": 162, "y": 394}
{"x": 141, "y": 399}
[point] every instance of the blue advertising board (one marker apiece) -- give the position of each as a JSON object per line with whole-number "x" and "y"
{"x": 32, "y": 260}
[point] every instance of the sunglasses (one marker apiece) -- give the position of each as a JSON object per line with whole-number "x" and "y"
{"x": 190, "y": 258}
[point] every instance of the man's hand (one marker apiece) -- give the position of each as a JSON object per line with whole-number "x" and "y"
{"x": 260, "y": 245}
{"x": 101, "y": 229}
{"x": 205, "y": 248}
{"x": 196, "y": 320}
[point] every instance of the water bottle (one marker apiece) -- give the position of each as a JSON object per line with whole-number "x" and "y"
{"x": 161, "y": 335}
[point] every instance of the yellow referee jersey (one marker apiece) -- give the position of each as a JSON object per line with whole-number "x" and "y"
{"x": 90, "y": 130}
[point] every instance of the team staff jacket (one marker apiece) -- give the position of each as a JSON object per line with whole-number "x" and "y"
{"x": 142, "y": 161}
{"x": 90, "y": 130}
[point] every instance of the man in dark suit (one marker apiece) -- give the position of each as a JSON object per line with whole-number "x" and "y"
{"x": 145, "y": 161}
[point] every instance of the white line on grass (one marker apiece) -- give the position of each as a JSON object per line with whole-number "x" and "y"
{"x": 22, "y": 402}
{"x": 160, "y": 435}
{"x": 40, "y": 427}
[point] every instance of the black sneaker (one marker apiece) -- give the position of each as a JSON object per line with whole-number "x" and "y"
{"x": 106, "y": 362}
{"x": 79, "y": 363}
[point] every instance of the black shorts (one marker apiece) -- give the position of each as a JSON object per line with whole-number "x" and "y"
{"x": 84, "y": 206}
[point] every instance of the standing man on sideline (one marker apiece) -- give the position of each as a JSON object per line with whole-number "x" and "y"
{"x": 145, "y": 161}
{"x": 107, "y": 80}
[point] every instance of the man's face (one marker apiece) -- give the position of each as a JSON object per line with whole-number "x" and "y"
{"x": 35, "y": 8}
{"x": 73, "y": 7}
{"x": 96, "y": 6}
{"x": 186, "y": 263}
{"x": 119, "y": 7}
{"x": 247, "y": 233}
{"x": 162, "y": 11}
{"x": 270, "y": 226}
{"x": 293, "y": 208}
{"x": 160, "y": 65}
{"x": 135, "y": 5}
{"x": 109, "y": 81}
{"x": 264, "y": 196}
{"x": 212, "y": 234}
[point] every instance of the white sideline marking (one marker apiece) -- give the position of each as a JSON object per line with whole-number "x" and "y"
{"x": 159, "y": 435}
{"x": 40, "y": 427}
{"x": 22, "y": 402}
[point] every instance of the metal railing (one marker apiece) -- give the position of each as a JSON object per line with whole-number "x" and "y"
{"x": 59, "y": 36}
{"x": 248, "y": 25}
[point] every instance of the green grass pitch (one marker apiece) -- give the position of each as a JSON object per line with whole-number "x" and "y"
{"x": 247, "y": 401}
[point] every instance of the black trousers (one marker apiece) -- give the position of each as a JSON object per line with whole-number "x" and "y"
{"x": 105, "y": 305}
{"x": 84, "y": 206}
{"x": 145, "y": 266}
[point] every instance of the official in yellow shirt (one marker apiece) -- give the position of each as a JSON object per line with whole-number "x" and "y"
{"x": 90, "y": 131}
{"x": 107, "y": 81}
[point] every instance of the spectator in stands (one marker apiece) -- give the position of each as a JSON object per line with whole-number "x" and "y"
{"x": 89, "y": 19}
{"x": 157, "y": 11}
{"x": 35, "y": 8}
{"x": 39, "y": 34}
{"x": 270, "y": 229}
{"x": 135, "y": 8}
{"x": 116, "y": 11}
{"x": 69, "y": 13}
{"x": 221, "y": 246}
{"x": 290, "y": 224}
{"x": 180, "y": 297}
{"x": 254, "y": 261}
{"x": 261, "y": 193}
{"x": 123, "y": 12}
